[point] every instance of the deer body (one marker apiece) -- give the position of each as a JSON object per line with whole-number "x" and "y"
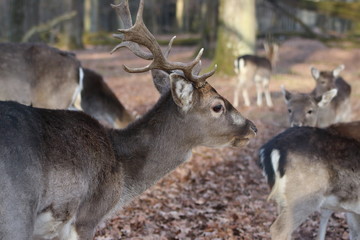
{"x": 47, "y": 177}
{"x": 63, "y": 173}
{"x": 46, "y": 77}
{"x": 310, "y": 169}
{"x": 254, "y": 70}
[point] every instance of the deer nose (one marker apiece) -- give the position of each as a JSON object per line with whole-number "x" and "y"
{"x": 296, "y": 124}
{"x": 252, "y": 127}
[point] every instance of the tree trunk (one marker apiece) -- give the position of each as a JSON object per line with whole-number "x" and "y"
{"x": 74, "y": 28}
{"x": 236, "y": 32}
{"x": 209, "y": 13}
{"x": 17, "y": 15}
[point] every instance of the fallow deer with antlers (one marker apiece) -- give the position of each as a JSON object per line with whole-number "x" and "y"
{"x": 62, "y": 173}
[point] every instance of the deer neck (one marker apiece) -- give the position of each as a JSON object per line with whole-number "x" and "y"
{"x": 152, "y": 146}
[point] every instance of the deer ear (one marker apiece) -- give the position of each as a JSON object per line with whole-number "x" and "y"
{"x": 161, "y": 80}
{"x": 287, "y": 94}
{"x": 327, "y": 97}
{"x": 336, "y": 71}
{"x": 315, "y": 73}
{"x": 182, "y": 91}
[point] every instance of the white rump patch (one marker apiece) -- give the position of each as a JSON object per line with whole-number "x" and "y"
{"x": 76, "y": 98}
{"x": 278, "y": 189}
{"x": 275, "y": 157}
{"x": 242, "y": 65}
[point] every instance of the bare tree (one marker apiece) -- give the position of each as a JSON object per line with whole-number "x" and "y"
{"x": 236, "y": 32}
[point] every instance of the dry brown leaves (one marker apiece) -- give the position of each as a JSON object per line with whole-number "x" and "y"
{"x": 219, "y": 193}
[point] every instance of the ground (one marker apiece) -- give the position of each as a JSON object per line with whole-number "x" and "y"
{"x": 219, "y": 193}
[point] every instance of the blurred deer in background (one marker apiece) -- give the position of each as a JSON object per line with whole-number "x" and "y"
{"x": 46, "y": 77}
{"x": 255, "y": 70}
{"x": 62, "y": 173}
{"x": 327, "y": 104}
{"x": 310, "y": 169}
{"x": 305, "y": 109}
{"x": 326, "y": 80}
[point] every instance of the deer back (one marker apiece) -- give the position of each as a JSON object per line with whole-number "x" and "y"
{"x": 34, "y": 74}
{"x": 100, "y": 102}
{"x": 310, "y": 169}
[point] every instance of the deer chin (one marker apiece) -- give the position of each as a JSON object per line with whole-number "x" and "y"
{"x": 239, "y": 142}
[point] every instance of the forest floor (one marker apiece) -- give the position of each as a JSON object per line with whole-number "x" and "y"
{"x": 219, "y": 193}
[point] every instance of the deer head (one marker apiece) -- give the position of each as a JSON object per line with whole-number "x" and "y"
{"x": 194, "y": 96}
{"x": 304, "y": 108}
{"x": 325, "y": 80}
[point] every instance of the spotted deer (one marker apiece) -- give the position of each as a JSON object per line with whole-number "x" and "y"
{"x": 326, "y": 80}
{"x": 62, "y": 173}
{"x": 46, "y": 77}
{"x": 255, "y": 70}
{"x": 310, "y": 169}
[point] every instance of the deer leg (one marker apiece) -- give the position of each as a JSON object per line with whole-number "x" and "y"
{"x": 291, "y": 217}
{"x": 267, "y": 92}
{"x": 259, "y": 92}
{"x": 236, "y": 91}
{"x": 324, "y": 219}
{"x": 353, "y": 220}
{"x": 246, "y": 97}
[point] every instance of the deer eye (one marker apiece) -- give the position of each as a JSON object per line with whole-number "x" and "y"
{"x": 310, "y": 112}
{"x": 289, "y": 110}
{"x": 217, "y": 108}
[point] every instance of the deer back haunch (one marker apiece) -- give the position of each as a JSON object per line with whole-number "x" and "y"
{"x": 42, "y": 76}
{"x": 99, "y": 101}
{"x": 254, "y": 70}
{"x": 39, "y": 75}
{"x": 62, "y": 173}
{"x": 310, "y": 169}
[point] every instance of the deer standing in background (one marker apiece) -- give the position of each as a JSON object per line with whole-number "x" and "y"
{"x": 252, "y": 69}
{"x": 46, "y": 77}
{"x": 305, "y": 109}
{"x": 310, "y": 169}
{"x": 326, "y": 80}
{"x": 62, "y": 173}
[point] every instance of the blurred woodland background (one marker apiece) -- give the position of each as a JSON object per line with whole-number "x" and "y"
{"x": 219, "y": 193}
{"x": 225, "y": 28}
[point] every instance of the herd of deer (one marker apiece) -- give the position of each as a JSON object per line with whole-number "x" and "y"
{"x": 64, "y": 171}
{"x": 315, "y": 164}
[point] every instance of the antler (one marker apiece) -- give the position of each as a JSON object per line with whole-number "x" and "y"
{"x": 132, "y": 35}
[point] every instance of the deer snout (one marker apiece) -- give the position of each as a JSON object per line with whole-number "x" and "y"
{"x": 252, "y": 127}
{"x": 297, "y": 124}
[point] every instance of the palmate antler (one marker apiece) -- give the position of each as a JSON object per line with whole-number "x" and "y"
{"x": 138, "y": 33}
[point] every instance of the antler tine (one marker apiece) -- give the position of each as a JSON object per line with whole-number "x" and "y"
{"x": 123, "y": 11}
{"x": 139, "y": 34}
{"x": 169, "y": 47}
